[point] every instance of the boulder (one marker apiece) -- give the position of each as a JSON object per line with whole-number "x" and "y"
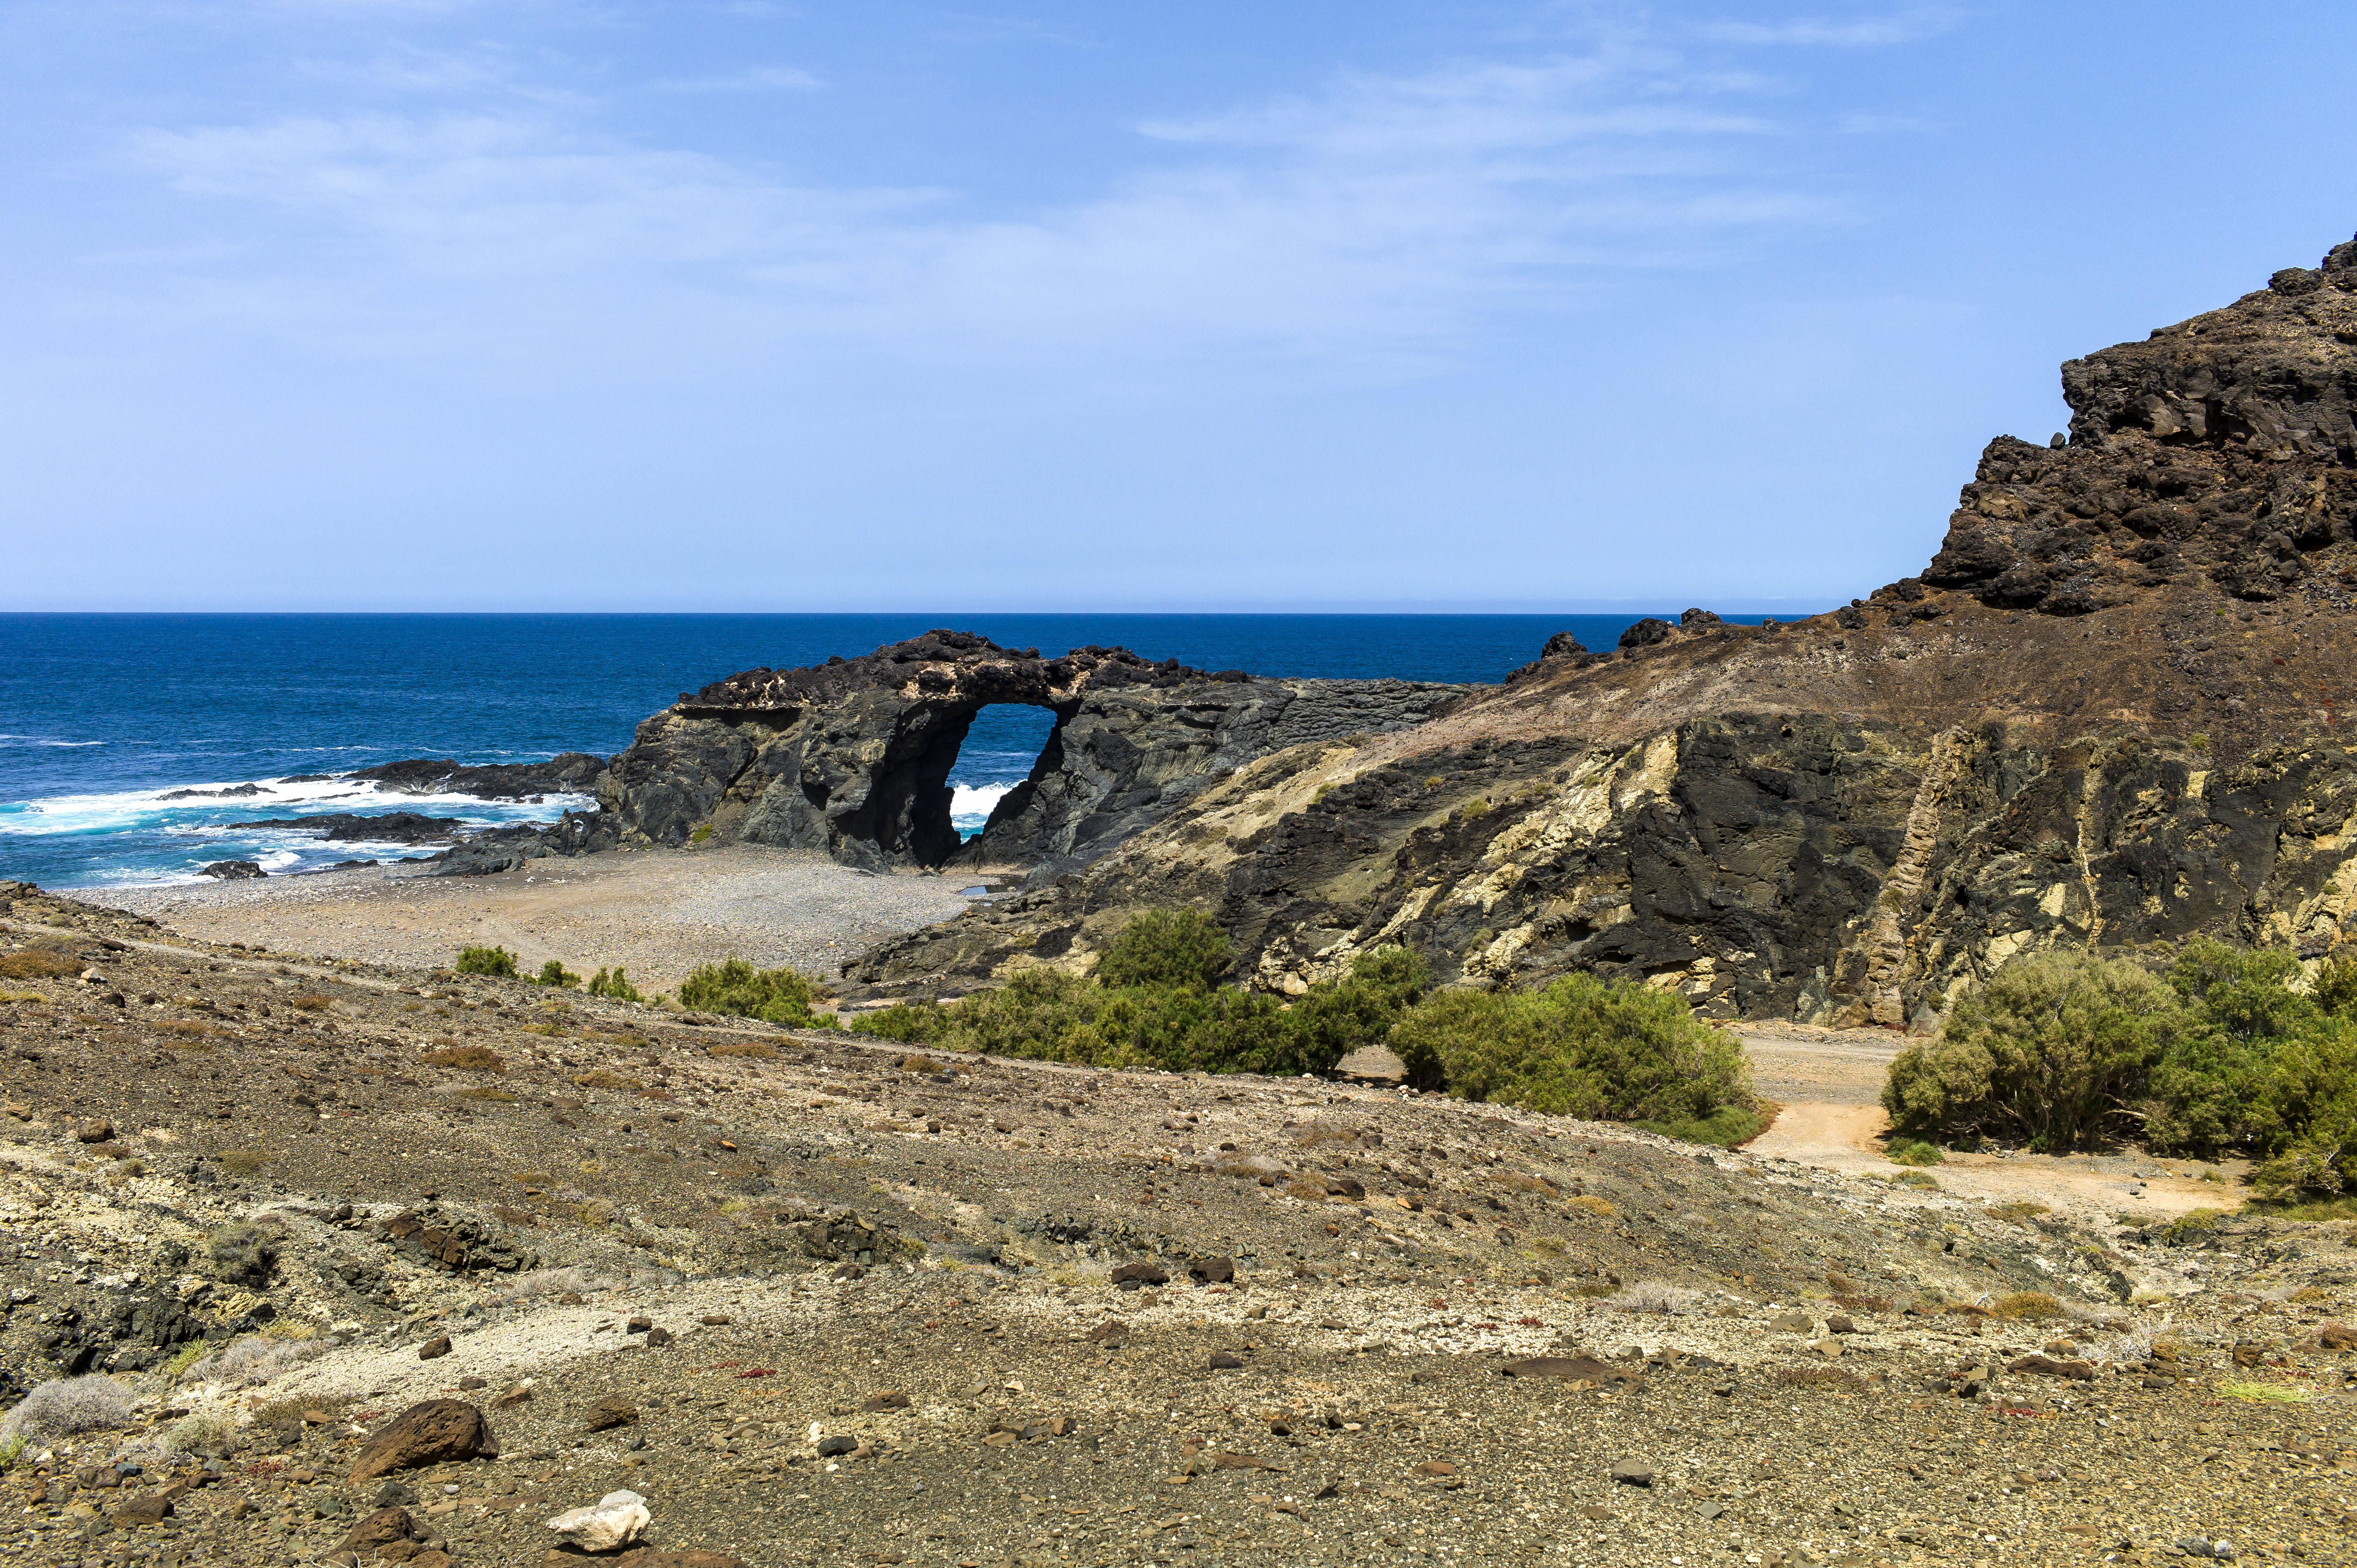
{"x": 612, "y": 1521}
{"x": 435, "y": 1432}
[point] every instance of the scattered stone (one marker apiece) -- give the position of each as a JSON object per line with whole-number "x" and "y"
{"x": 1113, "y": 1333}
{"x": 1791, "y": 1323}
{"x": 434, "y": 1348}
{"x": 1632, "y": 1472}
{"x": 658, "y": 1337}
{"x": 1130, "y": 1276}
{"x": 150, "y": 1508}
{"x": 640, "y": 1324}
{"x": 836, "y": 1446}
{"x": 609, "y": 1412}
{"x": 386, "y": 1525}
{"x": 1224, "y": 1361}
{"x": 716, "y": 1320}
{"x": 433, "y": 1432}
{"x": 99, "y": 1131}
{"x": 612, "y": 1521}
{"x": 890, "y": 1399}
{"x": 1212, "y": 1271}
{"x": 2048, "y": 1367}
{"x": 1571, "y": 1369}
{"x": 1837, "y": 1324}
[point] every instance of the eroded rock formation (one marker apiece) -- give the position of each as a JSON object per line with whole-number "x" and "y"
{"x": 852, "y": 756}
{"x": 2108, "y": 712}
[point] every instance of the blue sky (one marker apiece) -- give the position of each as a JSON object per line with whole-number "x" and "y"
{"x": 537, "y": 304}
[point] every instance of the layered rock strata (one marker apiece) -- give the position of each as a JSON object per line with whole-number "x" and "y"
{"x": 2108, "y": 712}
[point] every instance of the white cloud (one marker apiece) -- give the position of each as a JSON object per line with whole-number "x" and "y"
{"x": 758, "y": 78}
{"x": 1376, "y": 223}
{"x": 1823, "y": 32}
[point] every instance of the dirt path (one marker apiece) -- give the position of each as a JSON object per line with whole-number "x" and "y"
{"x": 1830, "y": 1085}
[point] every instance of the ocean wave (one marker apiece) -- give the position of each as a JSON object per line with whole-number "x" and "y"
{"x": 971, "y": 805}
{"x": 126, "y": 811}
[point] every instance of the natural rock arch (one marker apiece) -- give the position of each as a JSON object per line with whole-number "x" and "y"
{"x": 854, "y": 756}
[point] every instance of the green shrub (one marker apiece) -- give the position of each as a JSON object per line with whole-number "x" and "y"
{"x": 1913, "y": 1152}
{"x": 774, "y": 995}
{"x": 486, "y": 961}
{"x": 2335, "y": 988}
{"x": 555, "y": 976}
{"x": 909, "y": 1023}
{"x": 614, "y": 983}
{"x": 2054, "y": 1050}
{"x": 1182, "y": 947}
{"x": 1580, "y": 1046}
{"x": 1725, "y": 1127}
{"x": 702, "y": 832}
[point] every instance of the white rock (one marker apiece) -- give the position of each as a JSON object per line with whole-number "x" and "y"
{"x": 614, "y": 1520}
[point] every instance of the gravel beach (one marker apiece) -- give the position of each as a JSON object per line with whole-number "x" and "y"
{"x": 656, "y": 913}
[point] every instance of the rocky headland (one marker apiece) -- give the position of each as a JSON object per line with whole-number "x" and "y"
{"x": 2109, "y": 711}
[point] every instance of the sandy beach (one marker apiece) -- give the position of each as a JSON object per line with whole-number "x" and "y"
{"x": 657, "y": 914}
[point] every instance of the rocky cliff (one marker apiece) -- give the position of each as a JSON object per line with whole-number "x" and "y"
{"x": 2109, "y": 711}
{"x": 852, "y": 756}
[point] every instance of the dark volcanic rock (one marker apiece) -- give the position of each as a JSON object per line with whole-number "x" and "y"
{"x": 570, "y": 773}
{"x": 434, "y": 1433}
{"x": 853, "y": 756}
{"x": 230, "y": 870}
{"x": 2109, "y": 713}
{"x": 391, "y": 827}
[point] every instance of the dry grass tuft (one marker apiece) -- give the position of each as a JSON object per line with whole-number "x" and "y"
{"x": 38, "y": 963}
{"x": 312, "y": 1001}
{"x": 759, "y": 1051}
{"x": 1840, "y": 1378}
{"x": 2029, "y": 1305}
{"x": 243, "y": 1161}
{"x": 469, "y": 1059}
{"x": 599, "y": 1078}
{"x": 1599, "y": 1206}
{"x": 491, "y": 1092}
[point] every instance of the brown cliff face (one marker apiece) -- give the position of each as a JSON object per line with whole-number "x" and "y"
{"x": 2110, "y": 710}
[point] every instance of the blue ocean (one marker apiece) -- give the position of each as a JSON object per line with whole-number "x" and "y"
{"x": 103, "y": 715}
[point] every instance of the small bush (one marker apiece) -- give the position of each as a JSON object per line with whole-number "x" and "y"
{"x": 1723, "y": 1128}
{"x": 2021, "y": 1213}
{"x": 2265, "y": 1393}
{"x": 487, "y": 960}
{"x": 1924, "y": 1179}
{"x": 206, "y": 1437}
{"x": 65, "y": 1407}
{"x": 1913, "y": 1152}
{"x": 1588, "y": 1203}
{"x": 599, "y": 1078}
{"x": 1476, "y": 809}
{"x": 1176, "y": 948}
{"x": 491, "y": 1093}
{"x": 468, "y": 1059}
{"x": 251, "y": 1359}
{"x": 2053, "y": 1050}
{"x": 757, "y": 1050}
{"x": 557, "y": 977}
{"x": 1656, "y": 1296}
{"x": 702, "y": 832}
{"x": 243, "y": 1161}
{"x": 2034, "y": 1306}
{"x": 734, "y": 986}
{"x": 907, "y": 1023}
{"x": 2191, "y": 1228}
{"x": 1835, "y": 1377}
{"x": 1580, "y": 1046}
{"x": 312, "y": 1001}
{"x": 243, "y": 1254}
{"x": 614, "y": 984}
{"x": 38, "y": 963}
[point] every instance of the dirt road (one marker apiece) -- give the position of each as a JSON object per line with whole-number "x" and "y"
{"x": 1830, "y": 1085}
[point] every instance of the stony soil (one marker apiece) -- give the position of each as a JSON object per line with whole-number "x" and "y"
{"x": 657, "y": 914}
{"x": 821, "y": 1229}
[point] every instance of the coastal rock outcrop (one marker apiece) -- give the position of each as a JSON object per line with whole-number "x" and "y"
{"x": 567, "y": 773}
{"x": 852, "y": 756}
{"x": 2109, "y": 712}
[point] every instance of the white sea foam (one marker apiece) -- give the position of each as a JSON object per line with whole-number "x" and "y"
{"x": 971, "y": 805}
{"x": 132, "y": 810}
